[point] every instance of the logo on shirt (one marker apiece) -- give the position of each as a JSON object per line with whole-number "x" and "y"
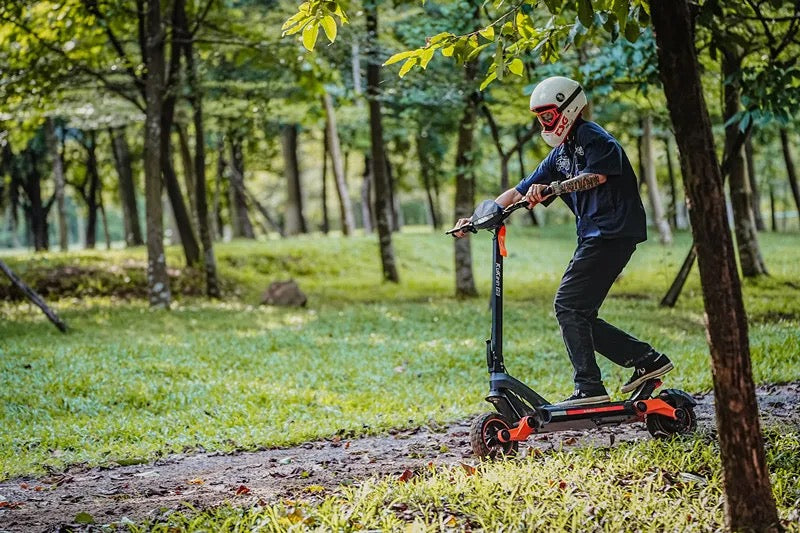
{"x": 563, "y": 163}
{"x": 579, "y": 150}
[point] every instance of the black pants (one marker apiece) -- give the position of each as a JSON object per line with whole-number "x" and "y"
{"x": 595, "y": 265}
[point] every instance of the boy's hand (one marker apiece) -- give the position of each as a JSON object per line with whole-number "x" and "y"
{"x": 460, "y": 223}
{"x": 535, "y": 196}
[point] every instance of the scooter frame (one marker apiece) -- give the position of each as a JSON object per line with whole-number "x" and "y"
{"x": 527, "y": 412}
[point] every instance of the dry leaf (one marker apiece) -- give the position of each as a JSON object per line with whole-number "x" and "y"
{"x": 405, "y": 476}
{"x": 242, "y": 490}
{"x": 469, "y": 469}
{"x": 196, "y": 481}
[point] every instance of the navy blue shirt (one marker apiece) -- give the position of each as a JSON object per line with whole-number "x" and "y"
{"x": 611, "y": 210}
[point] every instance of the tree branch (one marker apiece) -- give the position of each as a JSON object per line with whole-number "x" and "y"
{"x": 92, "y": 7}
{"x": 493, "y": 128}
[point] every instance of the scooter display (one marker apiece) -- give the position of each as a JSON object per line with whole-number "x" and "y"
{"x": 520, "y": 411}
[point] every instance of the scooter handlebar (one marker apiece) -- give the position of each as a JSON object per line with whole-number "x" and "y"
{"x": 506, "y": 212}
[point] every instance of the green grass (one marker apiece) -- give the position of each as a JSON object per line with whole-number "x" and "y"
{"x": 128, "y": 384}
{"x": 646, "y": 486}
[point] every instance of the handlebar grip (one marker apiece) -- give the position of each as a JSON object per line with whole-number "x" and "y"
{"x": 547, "y": 191}
{"x": 467, "y": 227}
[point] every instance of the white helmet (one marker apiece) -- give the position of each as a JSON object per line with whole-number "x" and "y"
{"x": 557, "y": 102}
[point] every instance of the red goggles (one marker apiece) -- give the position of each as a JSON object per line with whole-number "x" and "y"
{"x": 548, "y": 116}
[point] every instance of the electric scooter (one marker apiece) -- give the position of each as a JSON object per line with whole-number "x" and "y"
{"x": 520, "y": 411}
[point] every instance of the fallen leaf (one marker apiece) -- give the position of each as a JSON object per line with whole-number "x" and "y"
{"x": 242, "y": 490}
{"x": 451, "y": 521}
{"x": 23, "y": 485}
{"x": 562, "y": 485}
{"x": 346, "y": 445}
{"x": 570, "y": 441}
{"x": 405, "y": 476}
{"x": 83, "y": 518}
{"x": 10, "y": 505}
{"x": 315, "y": 489}
{"x": 196, "y": 481}
{"x": 469, "y": 469}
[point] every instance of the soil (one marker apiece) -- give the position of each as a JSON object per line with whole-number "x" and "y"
{"x": 309, "y": 471}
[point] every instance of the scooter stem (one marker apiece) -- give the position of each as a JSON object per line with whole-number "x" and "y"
{"x": 494, "y": 346}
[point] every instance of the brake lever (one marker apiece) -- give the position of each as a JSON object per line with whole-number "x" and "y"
{"x": 470, "y": 228}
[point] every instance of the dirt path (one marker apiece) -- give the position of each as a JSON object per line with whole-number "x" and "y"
{"x": 309, "y": 470}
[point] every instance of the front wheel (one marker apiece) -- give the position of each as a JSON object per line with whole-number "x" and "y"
{"x": 483, "y": 437}
{"x": 662, "y": 427}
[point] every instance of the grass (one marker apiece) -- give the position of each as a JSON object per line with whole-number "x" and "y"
{"x": 645, "y": 486}
{"x": 128, "y": 384}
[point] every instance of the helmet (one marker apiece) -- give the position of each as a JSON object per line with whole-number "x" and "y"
{"x": 557, "y": 102}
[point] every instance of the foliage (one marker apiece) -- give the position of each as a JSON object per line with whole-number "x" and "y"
{"x": 671, "y": 485}
{"x": 128, "y": 384}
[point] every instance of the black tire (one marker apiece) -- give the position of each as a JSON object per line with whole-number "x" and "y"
{"x": 483, "y": 437}
{"x": 662, "y": 427}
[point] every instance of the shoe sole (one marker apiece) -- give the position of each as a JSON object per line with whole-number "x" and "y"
{"x": 654, "y": 374}
{"x": 584, "y": 401}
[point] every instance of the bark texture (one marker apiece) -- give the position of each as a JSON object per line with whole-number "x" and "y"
{"x": 378, "y": 151}
{"x": 754, "y": 194}
{"x": 653, "y": 192}
{"x": 195, "y": 97}
{"x": 750, "y": 259}
{"x": 749, "y": 503}
{"x": 335, "y": 150}
{"x": 791, "y": 172}
{"x": 153, "y": 38}
{"x": 58, "y": 179}
{"x": 295, "y": 222}
{"x": 127, "y": 189}
{"x": 240, "y": 218}
{"x": 465, "y": 186}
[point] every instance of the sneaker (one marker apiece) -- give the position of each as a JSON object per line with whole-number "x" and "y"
{"x": 583, "y": 397}
{"x": 656, "y": 368}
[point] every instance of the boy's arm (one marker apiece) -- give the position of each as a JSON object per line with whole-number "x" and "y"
{"x": 582, "y": 182}
{"x": 511, "y": 196}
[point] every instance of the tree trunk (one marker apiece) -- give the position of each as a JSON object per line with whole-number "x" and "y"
{"x": 749, "y": 501}
{"x": 295, "y": 222}
{"x": 394, "y": 219}
{"x": 673, "y": 192}
{"x": 326, "y": 223}
{"x": 103, "y": 217}
{"x": 153, "y": 37}
{"x": 465, "y": 187}
{"x": 791, "y": 173}
{"x": 198, "y": 187}
{"x": 649, "y": 164}
{"x": 751, "y": 178}
{"x": 58, "y": 178}
{"x": 191, "y": 249}
{"x": 773, "y": 218}
{"x": 127, "y": 189}
{"x": 239, "y": 215}
{"x": 427, "y": 178}
{"x": 93, "y": 177}
{"x": 334, "y": 147}
{"x": 356, "y": 67}
{"x": 219, "y": 180}
{"x": 366, "y": 196}
{"x": 750, "y": 259}
{"x": 382, "y": 197}
{"x": 33, "y": 296}
{"x": 187, "y": 165}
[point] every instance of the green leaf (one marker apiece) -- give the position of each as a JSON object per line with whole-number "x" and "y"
{"x": 585, "y": 13}
{"x": 447, "y": 51}
{"x": 83, "y": 518}
{"x": 499, "y": 60}
{"x": 310, "y": 34}
{"x": 487, "y": 33}
{"x": 516, "y": 66}
{"x": 632, "y": 32}
{"x": 426, "y": 56}
{"x": 439, "y": 37}
{"x": 329, "y": 25}
{"x": 553, "y": 6}
{"x": 620, "y": 9}
{"x": 407, "y": 66}
{"x": 489, "y": 79}
{"x": 400, "y": 56}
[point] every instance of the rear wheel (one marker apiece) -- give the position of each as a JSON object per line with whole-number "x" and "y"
{"x": 483, "y": 437}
